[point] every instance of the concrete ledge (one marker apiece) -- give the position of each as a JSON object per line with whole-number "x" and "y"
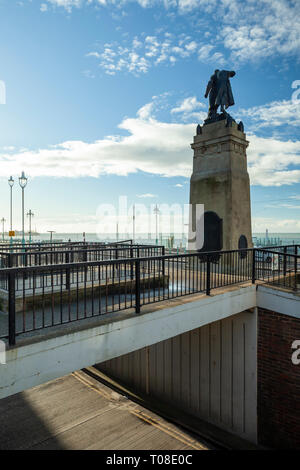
{"x": 278, "y": 300}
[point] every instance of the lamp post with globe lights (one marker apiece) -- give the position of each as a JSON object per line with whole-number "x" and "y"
{"x": 23, "y": 182}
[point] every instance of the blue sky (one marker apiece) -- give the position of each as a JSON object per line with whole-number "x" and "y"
{"x": 103, "y": 97}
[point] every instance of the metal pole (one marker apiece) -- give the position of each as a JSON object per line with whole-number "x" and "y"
{"x": 51, "y": 232}
{"x": 30, "y": 226}
{"x": 253, "y": 266}
{"x": 157, "y": 212}
{"x": 30, "y": 215}
{"x": 137, "y": 287}
{"x": 208, "y": 275}
{"x": 11, "y": 310}
{"x": 11, "y": 183}
{"x": 133, "y": 223}
{"x": 295, "y": 267}
{"x": 23, "y": 231}
{"x": 11, "y": 208}
{"x": 156, "y": 235}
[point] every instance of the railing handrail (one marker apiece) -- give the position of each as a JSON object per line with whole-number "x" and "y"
{"x": 82, "y": 264}
{"x": 277, "y": 252}
{"x": 202, "y": 273}
{"x": 86, "y": 250}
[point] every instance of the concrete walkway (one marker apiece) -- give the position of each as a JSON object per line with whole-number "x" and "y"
{"x": 78, "y": 412}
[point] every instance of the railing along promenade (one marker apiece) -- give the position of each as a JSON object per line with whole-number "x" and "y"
{"x": 40, "y": 296}
{"x": 38, "y": 255}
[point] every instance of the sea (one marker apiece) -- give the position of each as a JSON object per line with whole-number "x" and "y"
{"x": 176, "y": 240}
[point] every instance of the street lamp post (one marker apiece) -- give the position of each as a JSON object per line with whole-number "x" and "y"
{"x": 156, "y": 212}
{"x": 30, "y": 214}
{"x": 51, "y": 234}
{"x": 11, "y": 183}
{"x": 23, "y": 182}
{"x": 133, "y": 223}
{"x": 3, "y": 221}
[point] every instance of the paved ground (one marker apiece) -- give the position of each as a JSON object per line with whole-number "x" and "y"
{"x": 78, "y": 412}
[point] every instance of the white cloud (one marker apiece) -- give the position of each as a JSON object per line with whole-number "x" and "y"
{"x": 263, "y": 29}
{"x": 188, "y": 109}
{"x": 272, "y": 162}
{"x": 140, "y": 54}
{"x": 250, "y": 30}
{"x": 93, "y": 54}
{"x": 188, "y": 105}
{"x": 68, "y": 4}
{"x": 276, "y": 113}
{"x": 284, "y": 205}
{"x": 151, "y": 146}
{"x": 259, "y": 224}
{"x": 146, "y": 195}
{"x": 145, "y": 111}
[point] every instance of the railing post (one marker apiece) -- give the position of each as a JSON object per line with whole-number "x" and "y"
{"x": 208, "y": 275}
{"x": 163, "y": 265}
{"x": 137, "y": 286}
{"x": 25, "y": 262}
{"x": 253, "y": 266}
{"x": 284, "y": 261}
{"x": 131, "y": 264}
{"x": 295, "y": 265}
{"x": 67, "y": 272}
{"x": 117, "y": 265}
{"x": 11, "y": 310}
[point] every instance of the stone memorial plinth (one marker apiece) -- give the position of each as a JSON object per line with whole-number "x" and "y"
{"x": 220, "y": 181}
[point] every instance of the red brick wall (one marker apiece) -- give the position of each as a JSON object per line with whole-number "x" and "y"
{"x": 278, "y": 381}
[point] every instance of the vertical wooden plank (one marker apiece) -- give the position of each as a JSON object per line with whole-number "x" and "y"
{"x": 195, "y": 370}
{"x": 136, "y": 368}
{"x": 160, "y": 368}
{"x": 204, "y": 371}
{"x": 238, "y": 374}
{"x": 123, "y": 375}
{"x": 226, "y": 373}
{"x": 118, "y": 366}
{"x": 215, "y": 371}
{"x": 130, "y": 368}
{"x": 125, "y": 367}
{"x": 143, "y": 369}
{"x": 102, "y": 366}
{"x": 112, "y": 367}
{"x": 250, "y": 320}
{"x": 186, "y": 371}
{"x": 152, "y": 369}
{"x": 168, "y": 369}
{"x": 176, "y": 386}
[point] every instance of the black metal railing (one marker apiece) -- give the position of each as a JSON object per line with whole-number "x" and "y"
{"x": 278, "y": 267}
{"x": 45, "y": 256}
{"x": 43, "y": 296}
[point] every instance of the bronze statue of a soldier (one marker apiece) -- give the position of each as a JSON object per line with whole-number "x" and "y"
{"x": 220, "y": 93}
